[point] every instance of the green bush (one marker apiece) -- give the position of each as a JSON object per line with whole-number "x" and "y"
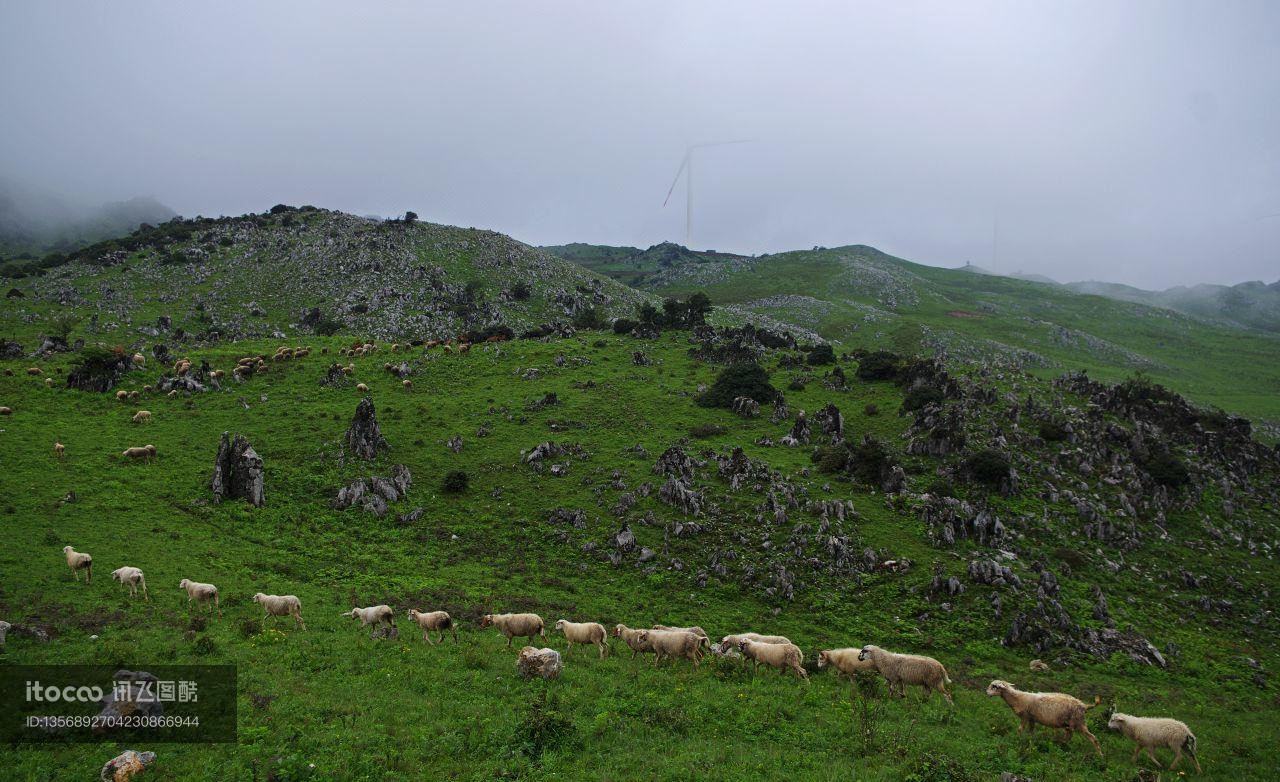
{"x": 624, "y": 325}
{"x": 919, "y": 397}
{"x": 456, "y": 482}
{"x": 871, "y": 410}
{"x": 1167, "y": 470}
{"x": 746, "y": 379}
{"x": 870, "y": 462}
{"x": 796, "y": 385}
{"x": 521, "y": 291}
{"x": 707, "y": 430}
{"x": 589, "y": 318}
{"x": 831, "y": 458}
{"x": 880, "y": 365}
{"x": 821, "y": 354}
{"x": 1052, "y": 431}
{"x": 988, "y": 467}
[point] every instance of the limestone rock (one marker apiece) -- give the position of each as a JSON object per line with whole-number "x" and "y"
{"x": 237, "y": 471}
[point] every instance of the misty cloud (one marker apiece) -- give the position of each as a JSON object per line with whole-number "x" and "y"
{"x": 1134, "y": 142}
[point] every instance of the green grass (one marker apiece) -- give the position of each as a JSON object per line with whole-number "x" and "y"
{"x": 861, "y": 297}
{"x": 359, "y": 709}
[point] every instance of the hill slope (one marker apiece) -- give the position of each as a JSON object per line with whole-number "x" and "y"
{"x": 1247, "y": 305}
{"x": 292, "y": 271}
{"x": 861, "y": 297}
{"x": 1086, "y": 560}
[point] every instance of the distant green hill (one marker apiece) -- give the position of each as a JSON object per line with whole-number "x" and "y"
{"x": 34, "y": 223}
{"x": 632, "y": 265}
{"x": 1248, "y": 305}
{"x": 861, "y": 297}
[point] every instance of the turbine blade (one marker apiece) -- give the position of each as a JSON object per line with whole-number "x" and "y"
{"x": 679, "y": 171}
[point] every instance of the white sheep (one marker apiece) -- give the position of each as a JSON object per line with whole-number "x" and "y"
{"x": 781, "y": 656}
{"x": 732, "y": 640}
{"x": 516, "y": 625}
{"x": 139, "y": 360}
{"x": 379, "y": 615}
{"x": 144, "y": 452}
{"x": 362, "y": 388}
{"x": 632, "y": 639}
{"x": 846, "y": 661}
{"x": 59, "y": 450}
{"x": 281, "y": 605}
{"x": 78, "y": 561}
{"x": 584, "y": 633}
{"x": 131, "y": 577}
{"x": 1150, "y": 732}
{"x": 673, "y": 643}
{"x": 200, "y": 593}
{"x": 1051, "y": 709}
{"x": 433, "y": 620}
{"x": 904, "y": 669}
{"x": 142, "y": 417}
{"x": 1038, "y": 665}
{"x": 5, "y": 627}
{"x": 6, "y": 411}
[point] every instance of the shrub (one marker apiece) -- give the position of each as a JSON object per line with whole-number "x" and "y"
{"x": 941, "y": 488}
{"x": 746, "y": 379}
{"x": 249, "y": 628}
{"x": 1052, "y": 431}
{"x": 822, "y": 354}
{"x": 707, "y": 430}
{"x": 204, "y": 646}
{"x": 831, "y": 458}
{"x": 624, "y": 325}
{"x": 521, "y": 291}
{"x": 880, "y": 365}
{"x": 327, "y": 327}
{"x": 456, "y": 482}
{"x": 869, "y": 461}
{"x": 871, "y": 410}
{"x": 920, "y": 396}
{"x": 1167, "y": 470}
{"x": 988, "y": 467}
{"x": 544, "y": 727}
{"x": 796, "y": 385}
{"x": 589, "y": 318}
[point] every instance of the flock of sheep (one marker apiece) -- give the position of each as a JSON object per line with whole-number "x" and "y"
{"x": 1054, "y": 710}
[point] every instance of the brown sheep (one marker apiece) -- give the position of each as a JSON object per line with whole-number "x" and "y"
{"x": 516, "y": 625}
{"x": 1051, "y": 709}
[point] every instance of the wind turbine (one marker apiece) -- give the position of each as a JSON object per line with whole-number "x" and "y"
{"x": 686, "y": 168}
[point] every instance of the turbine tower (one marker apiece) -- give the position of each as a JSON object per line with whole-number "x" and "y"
{"x": 686, "y": 168}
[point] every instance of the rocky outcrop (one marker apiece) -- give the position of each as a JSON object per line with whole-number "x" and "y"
{"x": 364, "y": 439}
{"x": 237, "y": 471}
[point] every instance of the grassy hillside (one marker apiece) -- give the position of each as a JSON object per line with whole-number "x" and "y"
{"x": 1247, "y": 305}
{"x": 355, "y": 709}
{"x": 861, "y": 297}
{"x": 303, "y": 271}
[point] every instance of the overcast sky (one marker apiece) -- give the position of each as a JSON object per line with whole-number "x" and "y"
{"x": 1135, "y": 142}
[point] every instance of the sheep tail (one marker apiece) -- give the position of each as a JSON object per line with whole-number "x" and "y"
{"x": 1097, "y": 699}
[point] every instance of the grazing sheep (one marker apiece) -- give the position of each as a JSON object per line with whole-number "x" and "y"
{"x": 732, "y": 640}
{"x": 846, "y": 661}
{"x": 139, "y": 360}
{"x": 134, "y": 396}
{"x": 1052, "y": 709}
{"x": 1039, "y": 665}
{"x": 122, "y": 395}
{"x": 200, "y": 593}
{"x": 78, "y": 561}
{"x": 147, "y": 389}
{"x": 362, "y": 388}
{"x": 698, "y": 631}
{"x": 1150, "y": 732}
{"x": 584, "y": 633}
{"x": 433, "y": 620}
{"x": 144, "y": 452}
{"x": 673, "y": 643}
{"x": 781, "y": 656}
{"x": 34, "y": 371}
{"x": 538, "y": 662}
{"x": 142, "y": 417}
{"x": 4, "y": 632}
{"x": 48, "y": 382}
{"x": 904, "y": 669}
{"x": 6, "y": 411}
{"x": 380, "y": 615}
{"x": 281, "y": 605}
{"x": 172, "y": 394}
{"x": 59, "y": 450}
{"x": 131, "y": 577}
{"x": 632, "y": 638}
{"x": 516, "y": 625}
{"x": 407, "y": 384}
